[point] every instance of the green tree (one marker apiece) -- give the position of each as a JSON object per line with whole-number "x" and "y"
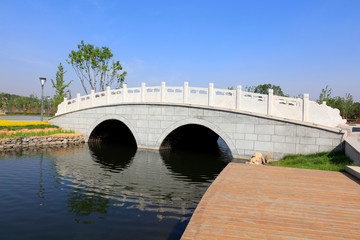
{"x": 264, "y": 89}
{"x": 325, "y": 94}
{"x": 92, "y": 65}
{"x": 60, "y": 87}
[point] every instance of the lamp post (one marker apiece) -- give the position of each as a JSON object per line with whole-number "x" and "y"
{"x": 48, "y": 100}
{"x": 42, "y": 81}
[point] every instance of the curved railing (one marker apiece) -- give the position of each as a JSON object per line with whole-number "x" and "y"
{"x": 283, "y": 107}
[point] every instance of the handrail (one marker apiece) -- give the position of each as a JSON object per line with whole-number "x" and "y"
{"x": 277, "y": 106}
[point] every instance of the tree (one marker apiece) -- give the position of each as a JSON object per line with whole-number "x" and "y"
{"x": 264, "y": 89}
{"x": 347, "y": 105}
{"x": 325, "y": 94}
{"x": 60, "y": 86}
{"x": 92, "y": 65}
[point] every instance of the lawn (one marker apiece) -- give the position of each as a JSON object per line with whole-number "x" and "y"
{"x": 331, "y": 161}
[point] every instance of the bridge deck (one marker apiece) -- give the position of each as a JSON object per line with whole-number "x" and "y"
{"x": 263, "y": 202}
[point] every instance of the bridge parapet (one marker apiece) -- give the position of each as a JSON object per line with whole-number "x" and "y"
{"x": 236, "y": 100}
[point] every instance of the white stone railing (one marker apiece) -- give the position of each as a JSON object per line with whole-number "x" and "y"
{"x": 283, "y": 107}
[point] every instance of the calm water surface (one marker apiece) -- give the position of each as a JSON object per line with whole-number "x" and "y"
{"x": 103, "y": 192}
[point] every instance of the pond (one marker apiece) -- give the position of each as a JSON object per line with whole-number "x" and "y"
{"x": 104, "y": 191}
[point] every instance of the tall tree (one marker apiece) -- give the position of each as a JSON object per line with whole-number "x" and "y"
{"x": 95, "y": 66}
{"x": 60, "y": 87}
{"x": 325, "y": 94}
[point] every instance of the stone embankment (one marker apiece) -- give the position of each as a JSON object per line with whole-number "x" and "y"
{"x": 18, "y": 143}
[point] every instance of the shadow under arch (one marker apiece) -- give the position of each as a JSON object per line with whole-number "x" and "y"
{"x": 197, "y": 122}
{"x": 122, "y": 129}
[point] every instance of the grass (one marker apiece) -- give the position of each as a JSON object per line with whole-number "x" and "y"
{"x": 13, "y": 128}
{"x": 32, "y": 134}
{"x": 331, "y": 161}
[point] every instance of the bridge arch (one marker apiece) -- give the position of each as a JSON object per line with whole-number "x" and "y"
{"x": 105, "y": 118}
{"x": 203, "y": 123}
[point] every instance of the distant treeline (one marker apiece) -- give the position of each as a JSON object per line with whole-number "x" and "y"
{"x": 12, "y": 103}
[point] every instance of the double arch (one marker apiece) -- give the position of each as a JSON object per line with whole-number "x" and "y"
{"x": 165, "y": 132}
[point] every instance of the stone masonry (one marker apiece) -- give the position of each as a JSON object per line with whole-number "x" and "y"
{"x": 244, "y": 132}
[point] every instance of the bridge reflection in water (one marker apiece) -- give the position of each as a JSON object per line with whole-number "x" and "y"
{"x": 168, "y": 183}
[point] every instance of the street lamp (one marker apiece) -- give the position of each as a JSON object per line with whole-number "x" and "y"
{"x": 42, "y": 81}
{"x": 48, "y": 100}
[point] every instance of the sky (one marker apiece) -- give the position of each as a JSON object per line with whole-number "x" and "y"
{"x": 300, "y": 45}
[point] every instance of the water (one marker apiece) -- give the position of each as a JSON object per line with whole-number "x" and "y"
{"x": 103, "y": 192}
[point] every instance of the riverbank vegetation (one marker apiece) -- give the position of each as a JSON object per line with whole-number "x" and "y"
{"x": 10, "y": 129}
{"x": 331, "y": 161}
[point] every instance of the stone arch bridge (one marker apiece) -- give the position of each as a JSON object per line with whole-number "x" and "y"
{"x": 162, "y": 117}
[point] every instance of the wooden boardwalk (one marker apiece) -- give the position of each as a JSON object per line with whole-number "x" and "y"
{"x": 264, "y": 202}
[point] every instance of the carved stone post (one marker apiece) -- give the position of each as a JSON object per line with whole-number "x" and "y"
{"x": 92, "y": 97}
{"x": 65, "y": 104}
{"x": 305, "y": 113}
{"x": 124, "y": 92}
{"x": 211, "y": 94}
{"x": 238, "y": 97}
{"x": 163, "y": 91}
{"x": 108, "y": 95}
{"x": 143, "y": 92}
{"x": 270, "y": 101}
{"x": 78, "y": 101}
{"x": 186, "y": 92}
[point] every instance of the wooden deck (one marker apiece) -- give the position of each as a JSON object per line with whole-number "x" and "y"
{"x": 263, "y": 202}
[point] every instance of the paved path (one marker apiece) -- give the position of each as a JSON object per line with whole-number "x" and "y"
{"x": 263, "y": 202}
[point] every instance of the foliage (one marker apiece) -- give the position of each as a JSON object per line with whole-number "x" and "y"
{"x": 11, "y": 128}
{"x": 331, "y": 161}
{"x": 60, "y": 86}
{"x": 264, "y": 89}
{"x": 32, "y": 134}
{"x": 325, "y": 94}
{"x": 9, "y": 123}
{"x": 92, "y": 65}
{"x": 346, "y": 105}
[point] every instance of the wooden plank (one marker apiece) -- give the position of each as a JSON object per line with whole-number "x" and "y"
{"x": 264, "y": 202}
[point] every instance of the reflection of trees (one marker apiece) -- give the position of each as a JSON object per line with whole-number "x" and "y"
{"x": 84, "y": 205}
{"x": 112, "y": 156}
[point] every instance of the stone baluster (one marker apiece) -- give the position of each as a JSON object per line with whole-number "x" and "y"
{"x": 163, "y": 91}
{"x": 211, "y": 94}
{"x": 65, "y": 104}
{"x": 77, "y": 101}
{"x": 270, "y": 101}
{"x": 305, "y": 113}
{"x": 92, "y": 97}
{"x": 108, "y": 94}
{"x": 124, "y": 92}
{"x": 186, "y": 92}
{"x": 238, "y": 97}
{"x": 143, "y": 89}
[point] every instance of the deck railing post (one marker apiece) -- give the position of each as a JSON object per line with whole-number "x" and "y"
{"x": 211, "y": 94}
{"x": 163, "y": 91}
{"x": 305, "y": 113}
{"x": 270, "y": 101}
{"x": 124, "y": 92}
{"x": 186, "y": 92}
{"x": 143, "y": 89}
{"x": 238, "y": 97}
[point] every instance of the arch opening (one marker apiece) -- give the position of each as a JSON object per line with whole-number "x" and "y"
{"x": 112, "y": 131}
{"x": 193, "y": 137}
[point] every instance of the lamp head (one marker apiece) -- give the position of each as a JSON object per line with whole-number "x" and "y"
{"x": 42, "y": 81}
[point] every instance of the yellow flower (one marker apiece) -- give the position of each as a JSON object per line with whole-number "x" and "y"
{"x": 8, "y": 123}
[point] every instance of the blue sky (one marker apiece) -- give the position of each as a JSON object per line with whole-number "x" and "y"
{"x": 300, "y": 45}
